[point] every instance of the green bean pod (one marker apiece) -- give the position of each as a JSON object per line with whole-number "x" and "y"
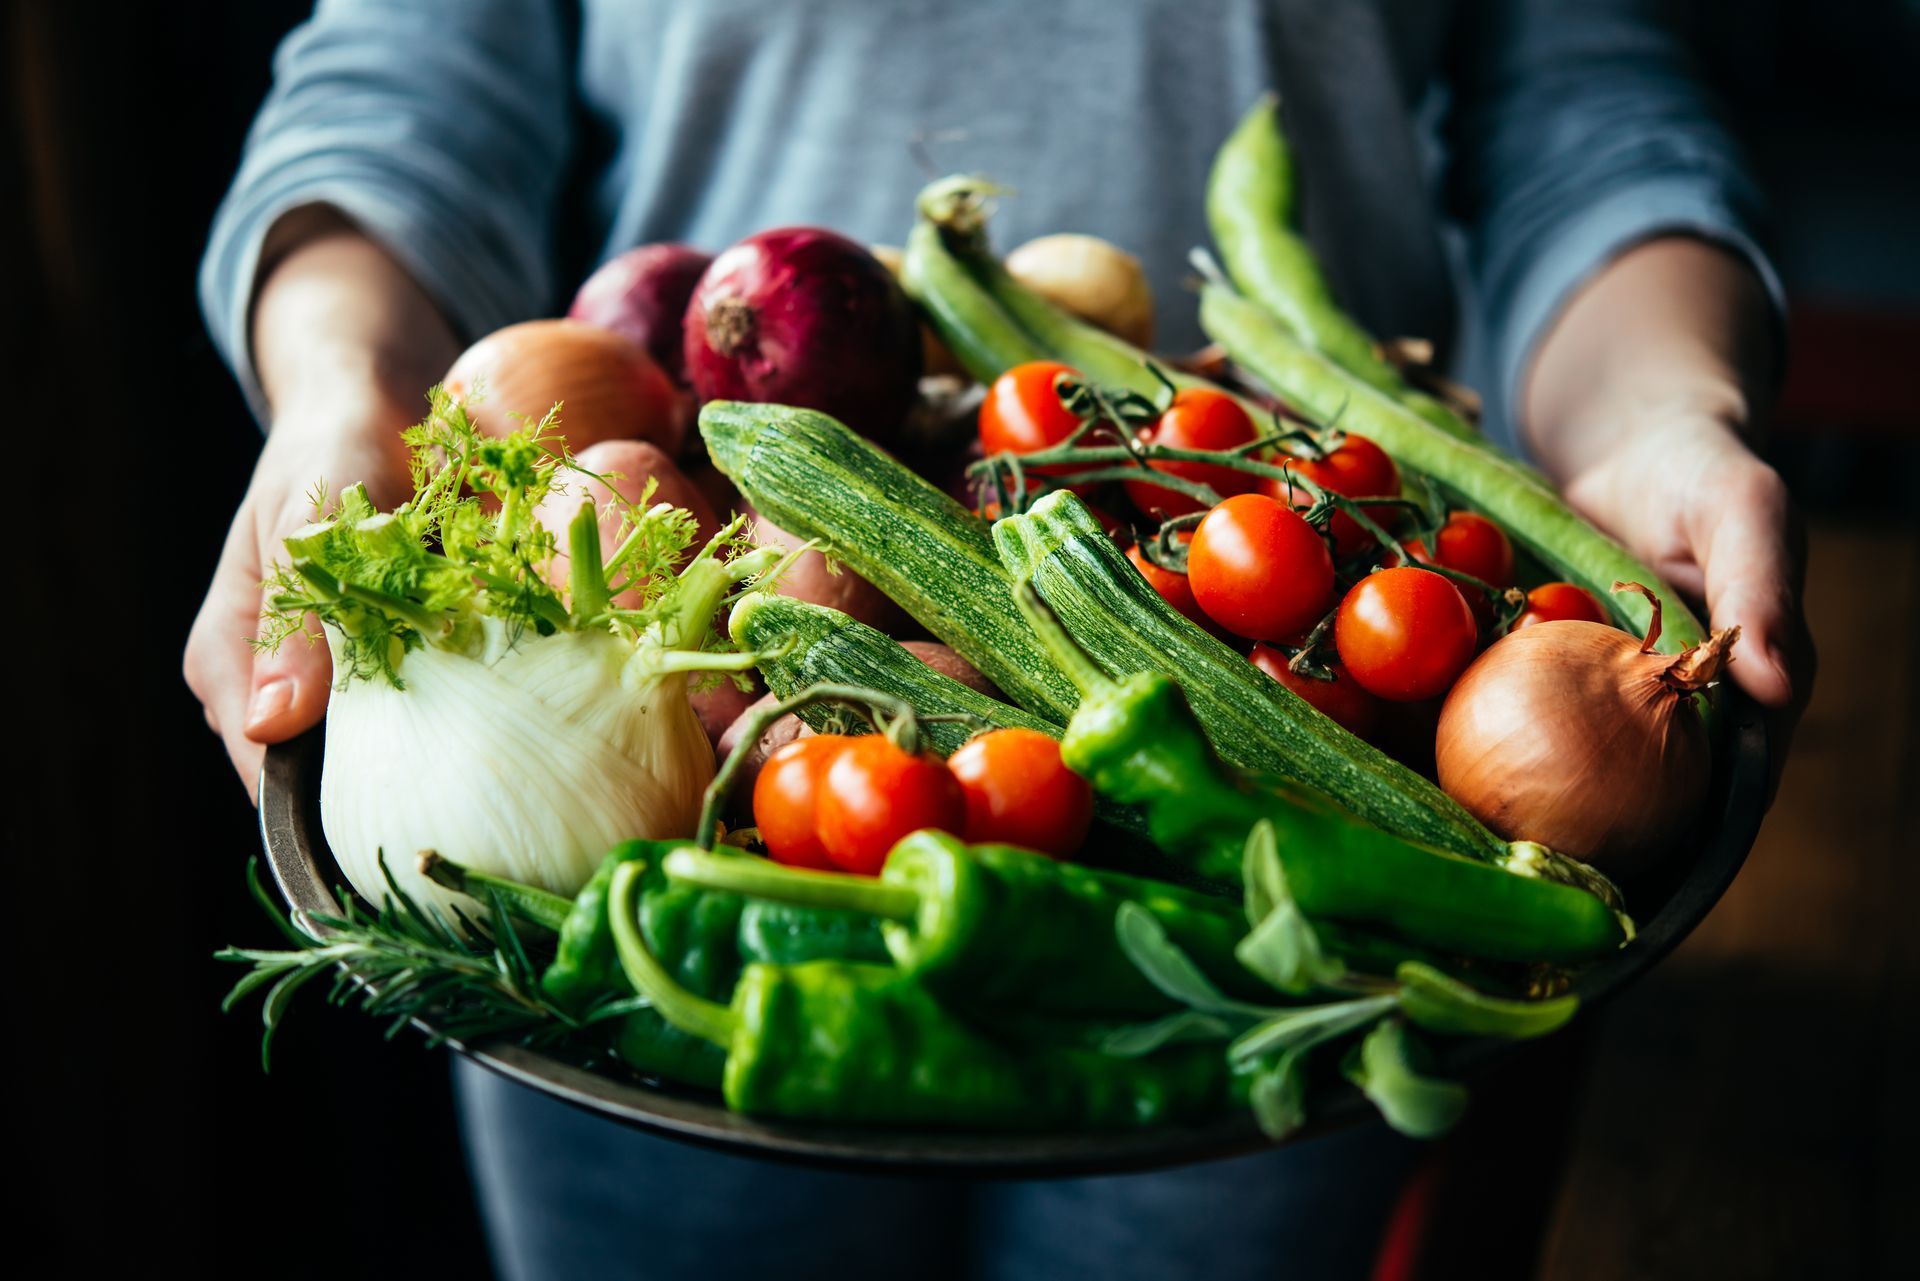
{"x": 982, "y": 337}
{"x": 1498, "y": 486}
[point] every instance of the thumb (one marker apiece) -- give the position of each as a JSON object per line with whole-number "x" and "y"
{"x": 289, "y": 686}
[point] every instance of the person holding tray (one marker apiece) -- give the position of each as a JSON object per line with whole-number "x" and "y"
{"x": 422, "y": 169}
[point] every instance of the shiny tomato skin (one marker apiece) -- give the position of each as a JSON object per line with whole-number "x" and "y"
{"x": 1341, "y": 698}
{"x": 872, "y": 794}
{"x": 1357, "y": 468}
{"x": 1019, "y": 792}
{"x": 1198, "y": 418}
{"x": 1405, "y": 634}
{"x": 1022, "y": 413}
{"x": 786, "y": 799}
{"x": 1550, "y": 602}
{"x": 1258, "y": 569}
{"x": 1174, "y": 588}
{"x": 1472, "y": 544}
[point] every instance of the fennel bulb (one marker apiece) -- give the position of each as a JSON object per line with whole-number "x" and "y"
{"x": 481, "y": 712}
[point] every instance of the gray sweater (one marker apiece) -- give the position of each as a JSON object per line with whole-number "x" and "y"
{"x": 1465, "y": 165}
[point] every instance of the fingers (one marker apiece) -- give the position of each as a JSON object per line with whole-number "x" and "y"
{"x": 1749, "y": 545}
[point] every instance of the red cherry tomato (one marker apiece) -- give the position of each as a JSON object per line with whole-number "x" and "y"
{"x": 1019, "y": 792}
{"x": 872, "y": 794}
{"x": 1258, "y": 569}
{"x": 1341, "y": 698}
{"x": 786, "y": 795}
{"x": 1472, "y": 544}
{"x": 1198, "y": 418}
{"x": 1405, "y": 633}
{"x": 1174, "y": 588}
{"x": 1358, "y": 468}
{"x": 1022, "y": 413}
{"x": 1553, "y": 601}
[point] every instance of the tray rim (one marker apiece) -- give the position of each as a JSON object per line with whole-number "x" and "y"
{"x": 294, "y": 845}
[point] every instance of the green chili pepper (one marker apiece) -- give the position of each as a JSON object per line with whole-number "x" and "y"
{"x": 1001, "y": 927}
{"x": 1137, "y": 741}
{"x": 854, "y": 1042}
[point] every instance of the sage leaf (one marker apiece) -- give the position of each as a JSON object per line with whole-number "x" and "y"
{"x": 1441, "y": 1003}
{"x": 1417, "y": 1105}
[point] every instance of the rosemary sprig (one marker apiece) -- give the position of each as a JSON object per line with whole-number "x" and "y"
{"x": 457, "y": 979}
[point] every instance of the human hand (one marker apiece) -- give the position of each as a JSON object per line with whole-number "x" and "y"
{"x": 253, "y": 699}
{"x": 1640, "y": 404}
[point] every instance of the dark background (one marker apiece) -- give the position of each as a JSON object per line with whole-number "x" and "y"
{"x": 142, "y": 1125}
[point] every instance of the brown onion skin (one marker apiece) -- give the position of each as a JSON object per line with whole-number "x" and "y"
{"x": 1566, "y": 734}
{"x": 610, "y": 387}
{"x": 803, "y": 316}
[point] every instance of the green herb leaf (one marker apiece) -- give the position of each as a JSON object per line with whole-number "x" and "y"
{"x": 1283, "y": 947}
{"x": 1186, "y": 1025}
{"x": 1279, "y": 1094}
{"x": 1306, "y": 1026}
{"x": 1168, "y": 968}
{"x": 1441, "y": 1003}
{"x": 1384, "y": 1067}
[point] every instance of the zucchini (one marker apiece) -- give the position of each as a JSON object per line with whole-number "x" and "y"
{"x": 811, "y": 644}
{"x": 1254, "y": 721}
{"x": 1491, "y": 483}
{"x": 813, "y": 477}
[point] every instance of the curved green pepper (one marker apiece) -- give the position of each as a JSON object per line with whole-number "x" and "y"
{"x": 852, "y": 1042}
{"x": 998, "y": 926}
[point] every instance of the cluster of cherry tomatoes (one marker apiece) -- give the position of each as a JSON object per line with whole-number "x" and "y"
{"x": 835, "y": 801}
{"x": 1259, "y": 571}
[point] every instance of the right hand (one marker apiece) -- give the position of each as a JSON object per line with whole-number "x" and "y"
{"x": 252, "y": 699}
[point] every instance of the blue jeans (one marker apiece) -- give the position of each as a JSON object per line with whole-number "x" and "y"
{"x": 567, "y": 1195}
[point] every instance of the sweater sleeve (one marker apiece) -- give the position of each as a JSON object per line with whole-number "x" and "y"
{"x": 439, "y": 127}
{"x": 1579, "y": 129}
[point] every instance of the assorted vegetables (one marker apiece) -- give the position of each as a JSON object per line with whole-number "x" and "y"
{"x": 1134, "y": 854}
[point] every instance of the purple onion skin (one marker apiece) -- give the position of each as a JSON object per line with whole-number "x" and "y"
{"x": 643, "y": 294}
{"x": 802, "y": 316}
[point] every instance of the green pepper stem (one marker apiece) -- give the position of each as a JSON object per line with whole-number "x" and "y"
{"x": 1073, "y": 661}
{"x": 692, "y": 1014}
{"x": 528, "y": 902}
{"x": 762, "y": 878}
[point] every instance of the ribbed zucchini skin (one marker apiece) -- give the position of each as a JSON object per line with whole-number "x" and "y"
{"x": 1253, "y": 720}
{"x": 812, "y": 644}
{"x": 815, "y": 478}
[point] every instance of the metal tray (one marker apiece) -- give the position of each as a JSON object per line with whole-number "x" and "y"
{"x": 1666, "y": 913}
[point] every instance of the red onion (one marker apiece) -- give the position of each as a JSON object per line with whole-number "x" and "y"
{"x": 643, "y": 294}
{"x": 802, "y": 316}
{"x": 1578, "y": 736}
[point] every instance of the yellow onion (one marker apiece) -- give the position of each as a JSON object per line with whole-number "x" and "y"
{"x": 1580, "y": 737}
{"x": 606, "y": 385}
{"x": 1096, "y": 281}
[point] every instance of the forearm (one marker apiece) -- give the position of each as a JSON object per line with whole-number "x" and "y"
{"x": 1674, "y": 331}
{"x": 341, "y": 334}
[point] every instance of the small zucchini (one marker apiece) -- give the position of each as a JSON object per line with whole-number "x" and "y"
{"x": 813, "y": 477}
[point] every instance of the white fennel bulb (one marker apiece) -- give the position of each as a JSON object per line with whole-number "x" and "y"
{"x": 478, "y": 710}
